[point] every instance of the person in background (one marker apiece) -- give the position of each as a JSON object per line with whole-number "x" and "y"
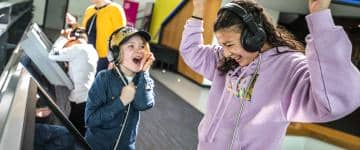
{"x": 118, "y": 95}
{"x": 72, "y": 47}
{"x": 100, "y": 20}
{"x": 261, "y": 78}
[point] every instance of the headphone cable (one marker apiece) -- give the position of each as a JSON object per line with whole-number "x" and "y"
{"x": 242, "y": 105}
{"x": 128, "y": 109}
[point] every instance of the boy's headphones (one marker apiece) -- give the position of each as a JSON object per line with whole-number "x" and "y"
{"x": 114, "y": 48}
{"x": 253, "y": 36}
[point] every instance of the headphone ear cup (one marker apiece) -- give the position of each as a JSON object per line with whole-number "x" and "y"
{"x": 115, "y": 52}
{"x": 253, "y": 42}
{"x": 246, "y": 44}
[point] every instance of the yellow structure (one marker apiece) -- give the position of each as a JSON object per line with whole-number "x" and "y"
{"x": 162, "y": 9}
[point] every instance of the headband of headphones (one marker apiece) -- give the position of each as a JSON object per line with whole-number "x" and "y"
{"x": 245, "y": 16}
{"x": 253, "y": 36}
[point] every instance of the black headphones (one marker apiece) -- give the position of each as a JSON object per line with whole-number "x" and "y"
{"x": 114, "y": 49}
{"x": 253, "y": 36}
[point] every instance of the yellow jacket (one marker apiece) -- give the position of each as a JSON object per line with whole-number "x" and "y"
{"x": 108, "y": 19}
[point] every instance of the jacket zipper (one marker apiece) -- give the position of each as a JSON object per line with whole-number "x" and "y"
{"x": 237, "y": 125}
{"x": 243, "y": 100}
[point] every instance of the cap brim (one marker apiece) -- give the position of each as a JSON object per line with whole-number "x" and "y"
{"x": 143, "y": 34}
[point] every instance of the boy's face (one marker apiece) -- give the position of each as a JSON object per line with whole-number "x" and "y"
{"x": 133, "y": 52}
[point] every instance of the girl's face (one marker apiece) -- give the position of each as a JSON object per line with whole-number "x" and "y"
{"x": 133, "y": 52}
{"x": 229, "y": 39}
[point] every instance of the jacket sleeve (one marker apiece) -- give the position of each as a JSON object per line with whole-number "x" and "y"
{"x": 199, "y": 57}
{"x": 144, "y": 96}
{"x": 59, "y": 53}
{"x": 101, "y": 109}
{"x": 325, "y": 85}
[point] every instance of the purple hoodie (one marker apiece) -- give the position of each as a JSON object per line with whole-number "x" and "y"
{"x": 291, "y": 87}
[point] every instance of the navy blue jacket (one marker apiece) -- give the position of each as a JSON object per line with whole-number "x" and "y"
{"x": 105, "y": 113}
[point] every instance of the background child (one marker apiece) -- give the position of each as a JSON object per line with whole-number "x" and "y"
{"x": 100, "y": 20}
{"x": 72, "y": 47}
{"x": 261, "y": 79}
{"x": 117, "y": 95}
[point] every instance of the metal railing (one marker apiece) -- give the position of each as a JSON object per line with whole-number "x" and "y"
{"x": 15, "y": 84}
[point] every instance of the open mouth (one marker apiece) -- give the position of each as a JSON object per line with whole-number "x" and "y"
{"x": 236, "y": 58}
{"x": 137, "y": 61}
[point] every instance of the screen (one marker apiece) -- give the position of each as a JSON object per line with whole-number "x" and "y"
{"x": 36, "y": 46}
{"x": 45, "y": 40}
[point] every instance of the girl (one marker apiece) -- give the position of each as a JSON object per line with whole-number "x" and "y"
{"x": 261, "y": 78}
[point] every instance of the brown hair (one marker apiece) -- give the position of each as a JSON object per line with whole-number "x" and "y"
{"x": 276, "y": 36}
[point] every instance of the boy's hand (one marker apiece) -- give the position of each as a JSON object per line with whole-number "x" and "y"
{"x": 110, "y": 66}
{"x": 147, "y": 61}
{"x": 128, "y": 94}
{"x": 318, "y": 5}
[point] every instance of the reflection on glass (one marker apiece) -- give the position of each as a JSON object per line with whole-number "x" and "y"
{"x": 50, "y": 133}
{"x": 53, "y": 130}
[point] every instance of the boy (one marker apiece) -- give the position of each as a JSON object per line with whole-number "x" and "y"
{"x": 118, "y": 95}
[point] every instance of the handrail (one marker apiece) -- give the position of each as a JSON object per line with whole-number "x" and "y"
{"x": 170, "y": 17}
{"x": 14, "y": 59}
{"x": 325, "y": 134}
{"x": 13, "y": 104}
